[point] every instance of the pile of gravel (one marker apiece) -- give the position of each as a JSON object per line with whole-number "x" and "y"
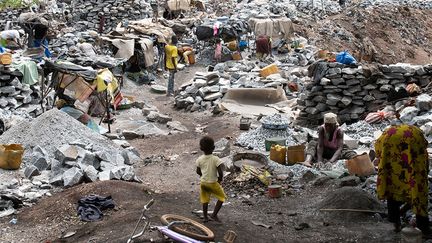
{"x": 255, "y": 139}
{"x": 351, "y": 198}
{"x": 362, "y": 129}
{"x": 276, "y": 120}
{"x": 53, "y": 129}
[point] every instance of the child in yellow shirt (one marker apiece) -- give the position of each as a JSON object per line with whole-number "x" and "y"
{"x": 209, "y": 168}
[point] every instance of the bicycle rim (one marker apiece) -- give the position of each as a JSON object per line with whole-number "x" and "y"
{"x": 193, "y": 230}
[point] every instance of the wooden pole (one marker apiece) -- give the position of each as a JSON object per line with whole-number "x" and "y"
{"x": 350, "y": 210}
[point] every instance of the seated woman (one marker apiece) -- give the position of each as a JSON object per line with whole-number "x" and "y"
{"x": 330, "y": 146}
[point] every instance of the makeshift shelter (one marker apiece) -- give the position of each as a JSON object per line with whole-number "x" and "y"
{"x": 75, "y": 83}
{"x": 226, "y": 29}
{"x": 176, "y": 5}
{"x": 148, "y": 28}
{"x": 277, "y": 28}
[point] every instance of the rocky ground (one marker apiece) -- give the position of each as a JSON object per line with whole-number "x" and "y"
{"x": 165, "y": 131}
{"x": 169, "y": 177}
{"x": 386, "y": 35}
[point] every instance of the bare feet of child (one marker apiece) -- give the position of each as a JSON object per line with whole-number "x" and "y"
{"x": 215, "y": 218}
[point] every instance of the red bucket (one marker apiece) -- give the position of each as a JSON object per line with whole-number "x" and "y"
{"x": 275, "y": 191}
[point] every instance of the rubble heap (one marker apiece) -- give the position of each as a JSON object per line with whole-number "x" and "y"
{"x": 10, "y": 15}
{"x": 273, "y": 126}
{"x": 69, "y": 150}
{"x": 87, "y": 12}
{"x": 203, "y": 92}
{"x": 16, "y": 94}
{"x": 352, "y": 91}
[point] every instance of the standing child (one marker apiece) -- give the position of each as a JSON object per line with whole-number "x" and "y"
{"x": 218, "y": 51}
{"x": 171, "y": 54}
{"x": 209, "y": 167}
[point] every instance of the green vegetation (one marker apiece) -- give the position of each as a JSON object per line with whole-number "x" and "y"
{"x": 15, "y": 3}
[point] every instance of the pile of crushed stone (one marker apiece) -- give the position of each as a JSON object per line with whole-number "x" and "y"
{"x": 53, "y": 129}
{"x": 351, "y": 198}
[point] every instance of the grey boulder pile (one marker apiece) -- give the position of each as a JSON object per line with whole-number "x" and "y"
{"x": 86, "y": 13}
{"x": 78, "y": 162}
{"x": 351, "y": 92}
{"x": 14, "y": 95}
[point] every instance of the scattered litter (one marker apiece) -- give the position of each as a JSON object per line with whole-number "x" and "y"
{"x": 68, "y": 234}
{"x": 258, "y": 223}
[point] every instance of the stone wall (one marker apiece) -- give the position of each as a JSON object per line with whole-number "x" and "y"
{"x": 10, "y": 15}
{"x": 86, "y": 12}
{"x": 351, "y": 92}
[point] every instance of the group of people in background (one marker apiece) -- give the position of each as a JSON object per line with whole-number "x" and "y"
{"x": 37, "y": 38}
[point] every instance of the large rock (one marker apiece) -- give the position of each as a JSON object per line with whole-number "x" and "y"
{"x": 66, "y": 153}
{"x": 424, "y": 102}
{"x": 72, "y": 177}
{"x": 90, "y": 174}
{"x": 213, "y": 96}
{"x": 184, "y": 103}
{"x": 147, "y": 110}
{"x": 149, "y": 130}
{"x": 56, "y": 180}
{"x": 121, "y": 143}
{"x": 118, "y": 172}
{"x": 158, "y": 117}
{"x": 346, "y": 100}
{"x": 105, "y": 175}
{"x": 351, "y": 142}
{"x": 350, "y": 181}
{"x": 176, "y": 125}
{"x": 31, "y": 171}
{"x": 41, "y": 162}
{"x": 7, "y": 89}
{"x": 89, "y": 159}
{"x": 222, "y": 148}
{"x": 105, "y": 165}
{"x": 128, "y": 174}
{"x": 56, "y": 167}
{"x": 333, "y": 99}
{"x": 130, "y": 134}
{"x": 427, "y": 129}
{"x": 408, "y": 114}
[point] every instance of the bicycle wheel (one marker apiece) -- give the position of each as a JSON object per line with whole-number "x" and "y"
{"x": 193, "y": 230}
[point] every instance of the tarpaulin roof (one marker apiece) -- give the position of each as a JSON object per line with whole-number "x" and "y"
{"x": 276, "y": 28}
{"x": 147, "y": 27}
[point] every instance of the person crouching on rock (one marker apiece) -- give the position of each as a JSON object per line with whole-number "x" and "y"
{"x": 330, "y": 146}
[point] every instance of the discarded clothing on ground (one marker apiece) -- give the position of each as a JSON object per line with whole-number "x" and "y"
{"x": 317, "y": 70}
{"x": 29, "y": 71}
{"x": 90, "y": 207}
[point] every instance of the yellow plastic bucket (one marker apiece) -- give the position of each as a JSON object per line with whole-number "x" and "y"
{"x": 11, "y": 156}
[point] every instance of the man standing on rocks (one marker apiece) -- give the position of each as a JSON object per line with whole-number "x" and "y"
{"x": 171, "y": 54}
{"x": 330, "y": 146}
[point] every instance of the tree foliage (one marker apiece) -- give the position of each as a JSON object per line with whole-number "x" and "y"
{"x": 16, "y": 3}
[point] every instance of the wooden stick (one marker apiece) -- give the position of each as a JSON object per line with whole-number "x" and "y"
{"x": 350, "y": 210}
